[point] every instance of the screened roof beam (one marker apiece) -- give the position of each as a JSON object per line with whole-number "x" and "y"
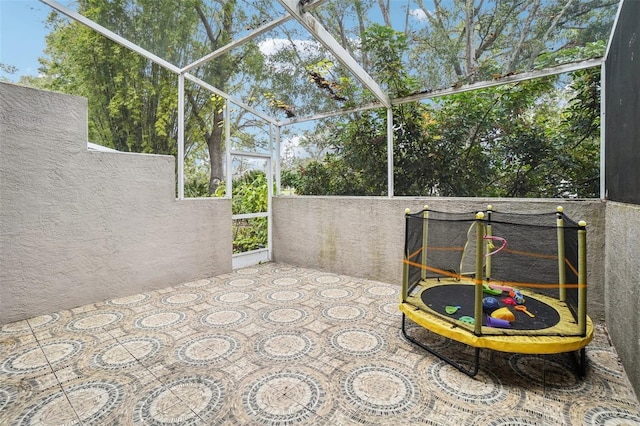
{"x": 226, "y": 96}
{"x": 255, "y": 33}
{"x": 145, "y": 53}
{"x": 313, "y": 4}
{"x": 560, "y": 69}
{"x": 316, "y": 29}
{"x": 111, "y": 35}
{"x": 360, "y": 108}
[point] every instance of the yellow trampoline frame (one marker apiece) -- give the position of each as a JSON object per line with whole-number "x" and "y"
{"x": 566, "y": 336}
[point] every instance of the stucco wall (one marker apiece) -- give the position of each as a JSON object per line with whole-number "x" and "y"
{"x": 78, "y": 227}
{"x": 622, "y": 285}
{"x": 364, "y": 236}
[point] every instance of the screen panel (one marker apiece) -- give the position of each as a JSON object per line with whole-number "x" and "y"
{"x": 622, "y": 129}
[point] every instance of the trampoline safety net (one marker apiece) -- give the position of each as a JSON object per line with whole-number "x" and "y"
{"x": 519, "y": 250}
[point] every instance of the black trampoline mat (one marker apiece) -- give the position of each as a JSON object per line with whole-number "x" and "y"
{"x": 440, "y": 296}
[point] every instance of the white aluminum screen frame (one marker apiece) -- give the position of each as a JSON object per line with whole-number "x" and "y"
{"x": 253, "y": 257}
{"x": 316, "y": 30}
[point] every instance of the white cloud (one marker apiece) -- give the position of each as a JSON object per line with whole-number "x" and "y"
{"x": 418, "y": 14}
{"x": 291, "y": 147}
{"x": 272, "y": 46}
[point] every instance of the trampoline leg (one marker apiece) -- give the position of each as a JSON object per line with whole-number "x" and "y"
{"x": 468, "y": 371}
{"x": 580, "y": 361}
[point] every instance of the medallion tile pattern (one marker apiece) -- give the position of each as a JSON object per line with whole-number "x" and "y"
{"x": 277, "y": 344}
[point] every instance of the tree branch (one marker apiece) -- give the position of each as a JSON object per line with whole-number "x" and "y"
{"x": 384, "y": 8}
{"x": 207, "y": 27}
{"x": 545, "y": 37}
{"x": 523, "y": 35}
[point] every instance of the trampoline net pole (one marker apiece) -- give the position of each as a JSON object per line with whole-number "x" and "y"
{"x": 405, "y": 281}
{"x": 488, "y": 242}
{"x": 582, "y": 278}
{"x": 405, "y": 264}
{"x": 479, "y": 272}
{"x": 425, "y": 235}
{"x": 562, "y": 276}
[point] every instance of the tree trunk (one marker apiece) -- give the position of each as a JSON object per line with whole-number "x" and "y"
{"x": 216, "y": 153}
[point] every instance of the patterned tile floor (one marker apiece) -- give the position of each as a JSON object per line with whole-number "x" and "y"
{"x": 280, "y": 345}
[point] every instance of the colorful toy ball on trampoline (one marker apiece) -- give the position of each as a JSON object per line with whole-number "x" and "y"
{"x": 490, "y": 304}
{"x": 517, "y": 296}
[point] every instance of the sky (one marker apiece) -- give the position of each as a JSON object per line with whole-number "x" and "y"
{"x": 22, "y": 33}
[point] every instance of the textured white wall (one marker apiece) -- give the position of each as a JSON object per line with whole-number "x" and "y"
{"x": 364, "y": 236}
{"x": 78, "y": 227}
{"x": 622, "y": 285}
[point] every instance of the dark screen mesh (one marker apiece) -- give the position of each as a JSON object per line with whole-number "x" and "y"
{"x": 529, "y": 260}
{"x": 446, "y": 239}
{"x": 622, "y": 104}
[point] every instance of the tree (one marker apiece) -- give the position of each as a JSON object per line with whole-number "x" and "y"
{"x": 512, "y": 140}
{"x": 453, "y": 42}
{"x": 469, "y": 41}
{"x": 6, "y": 69}
{"x": 133, "y": 101}
{"x": 580, "y": 135}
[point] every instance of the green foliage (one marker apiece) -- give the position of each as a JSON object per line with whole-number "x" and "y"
{"x": 249, "y": 234}
{"x": 509, "y": 141}
{"x": 289, "y": 178}
{"x": 490, "y": 141}
{"x": 250, "y": 195}
{"x": 524, "y": 139}
{"x": 333, "y": 176}
{"x": 133, "y": 103}
{"x": 196, "y": 184}
{"x": 589, "y": 50}
{"x": 580, "y": 135}
{"x": 386, "y": 48}
{"x": 527, "y": 139}
{"x": 8, "y": 70}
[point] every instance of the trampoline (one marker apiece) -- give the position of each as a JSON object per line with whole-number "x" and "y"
{"x": 507, "y": 282}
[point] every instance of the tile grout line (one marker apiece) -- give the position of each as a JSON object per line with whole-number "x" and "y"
{"x": 283, "y": 367}
{"x": 162, "y": 384}
{"x": 64, "y": 392}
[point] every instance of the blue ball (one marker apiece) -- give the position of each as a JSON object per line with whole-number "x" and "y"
{"x": 490, "y": 304}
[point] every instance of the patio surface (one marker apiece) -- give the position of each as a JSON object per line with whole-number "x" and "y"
{"x": 280, "y": 345}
